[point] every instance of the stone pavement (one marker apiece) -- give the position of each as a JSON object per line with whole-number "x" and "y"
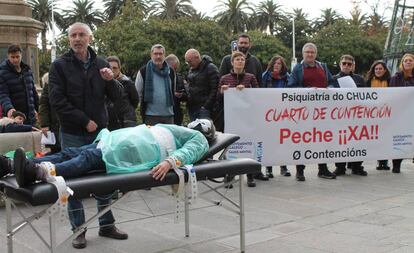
{"x": 349, "y": 214}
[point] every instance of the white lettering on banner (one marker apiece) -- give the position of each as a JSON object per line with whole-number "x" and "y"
{"x": 302, "y": 126}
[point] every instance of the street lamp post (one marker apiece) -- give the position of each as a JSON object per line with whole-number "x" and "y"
{"x": 294, "y": 60}
{"x": 53, "y": 51}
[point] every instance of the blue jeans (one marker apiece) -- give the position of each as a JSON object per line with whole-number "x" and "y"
{"x": 75, "y": 207}
{"x": 75, "y": 162}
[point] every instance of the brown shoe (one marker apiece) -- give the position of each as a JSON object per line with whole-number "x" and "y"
{"x": 80, "y": 241}
{"x": 113, "y": 232}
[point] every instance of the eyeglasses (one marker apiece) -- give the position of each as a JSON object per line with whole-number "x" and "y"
{"x": 344, "y": 63}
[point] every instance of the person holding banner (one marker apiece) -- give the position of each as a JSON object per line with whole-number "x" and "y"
{"x": 311, "y": 73}
{"x": 379, "y": 76}
{"x": 403, "y": 78}
{"x": 276, "y": 76}
{"x": 347, "y": 65}
{"x": 239, "y": 79}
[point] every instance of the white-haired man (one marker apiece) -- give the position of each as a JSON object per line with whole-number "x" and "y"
{"x": 79, "y": 81}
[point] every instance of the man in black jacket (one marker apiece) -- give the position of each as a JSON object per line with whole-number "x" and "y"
{"x": 79, "y": 81}
{"x": 203, "y": 79}
{"x": 347, "y": 65}
{"x": 252, "y": 66}
{"x": 17, "y": 88}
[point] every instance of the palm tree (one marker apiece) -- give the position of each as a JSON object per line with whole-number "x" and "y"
{"x": 234, "y": 15}
{"x": 268, "y": 14}
{"x": 114, "y": 7}
{"x": 83, "y": 11}
{"x": 42, "y": 11}
{"x": 172, "y": 9}
{"x": 357, "y": 17}
{"x": 328, "y": 17}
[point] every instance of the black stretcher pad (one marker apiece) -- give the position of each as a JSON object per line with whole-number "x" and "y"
{"x": 83, "y": 187}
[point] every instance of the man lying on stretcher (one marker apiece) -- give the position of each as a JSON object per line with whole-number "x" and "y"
{"x": 157, "y": 148}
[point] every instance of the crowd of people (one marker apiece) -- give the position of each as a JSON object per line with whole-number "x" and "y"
{"x": 84, "y": 94}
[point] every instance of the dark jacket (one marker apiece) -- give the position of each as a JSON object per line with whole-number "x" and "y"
{"x": 180, "y": 87}
{"x": 202, "y": 83}
{"x": 122, "y": 112}
{"x": 359, "y": 80}
{"x": 78, "y": 95}
{"x": 398, "y": 80}
{"x": 269, "y": 82}
{"x": 296, "y": 77}
{"x": 18, "y": 91}
{"x": 143, "y": 105}
{"x": 47, "y": 114}
{"x": 253, "y": 66}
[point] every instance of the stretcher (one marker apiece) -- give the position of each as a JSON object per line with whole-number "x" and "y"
{"x": 101, "y": 184}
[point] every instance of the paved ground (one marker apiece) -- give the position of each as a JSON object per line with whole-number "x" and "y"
{"x": 349, "y": 214}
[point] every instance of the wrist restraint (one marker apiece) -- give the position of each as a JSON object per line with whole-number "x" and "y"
{"x": 167, "y": 146}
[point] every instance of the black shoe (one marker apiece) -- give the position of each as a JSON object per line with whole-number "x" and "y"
{"x": 269, "y": 172}
{"x": 251, "y": 182}
{"x": 382, "y": 167}
{"x": 80, "y": 241}
{"x": 396, "y": 170}
{"x": 340, "y": 171}
{"x": 113, "y": 232}
{"x": 325, "y": 173}
{"x": 5, "y": 167}
{"x": 284, "y": 171}
{"x": 359, "y": 171}
{"x": 25, "y": 170}
{"x": 300, "y": 175}
{"x": 261, "y": 176}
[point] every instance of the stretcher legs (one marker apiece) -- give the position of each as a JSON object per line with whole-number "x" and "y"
{"x": 9, "y": 227}
{"x": 241, "y": 206}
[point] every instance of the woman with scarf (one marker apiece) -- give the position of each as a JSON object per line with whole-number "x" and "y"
{"x": 276, "y": 76}
{"x": 379, "y": 76}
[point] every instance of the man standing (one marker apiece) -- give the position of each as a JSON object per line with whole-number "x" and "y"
{"x": 252, "y": 66}
{"x": 203, "y": 79}
{"x": 122, "y": 112}
{"x": 17, "y": 88}
{"x": 155, "y": 84}
{"x": 347, "y": 65}
{"x": 180, "y": 89}
{"x": 311, "y": 73}
{"x": 78, "y": 83}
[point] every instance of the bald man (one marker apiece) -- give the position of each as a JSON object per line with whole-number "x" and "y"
{"x": 203, "y": 78}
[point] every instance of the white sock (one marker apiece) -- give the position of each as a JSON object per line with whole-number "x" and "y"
{"x": 45, "y": 171}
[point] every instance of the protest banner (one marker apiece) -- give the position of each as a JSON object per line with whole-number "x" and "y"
{"x": 307, "y": 126}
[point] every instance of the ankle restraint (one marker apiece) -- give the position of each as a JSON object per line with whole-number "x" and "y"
{"x": 64, "y": 192}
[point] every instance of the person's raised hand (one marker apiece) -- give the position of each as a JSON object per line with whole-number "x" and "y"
{"x": 106, "y": 74}
{"x": 240, "y": 87}
{"x": 9, "y": 113}
{"x": 91, "y": 126}
{"x": 223, "y": 88}
{"x": 45, "y": 130}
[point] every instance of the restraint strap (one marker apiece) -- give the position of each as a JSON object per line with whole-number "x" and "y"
{"x": 64, "y": 192}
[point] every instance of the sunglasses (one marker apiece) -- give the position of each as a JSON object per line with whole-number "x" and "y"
{"x": 346, "y": 63}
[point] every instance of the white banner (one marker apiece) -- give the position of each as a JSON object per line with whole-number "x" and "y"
{"x": 307, "y": 126}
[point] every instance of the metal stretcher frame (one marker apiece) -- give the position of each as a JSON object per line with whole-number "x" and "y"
{"x": 43, "y": 193}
